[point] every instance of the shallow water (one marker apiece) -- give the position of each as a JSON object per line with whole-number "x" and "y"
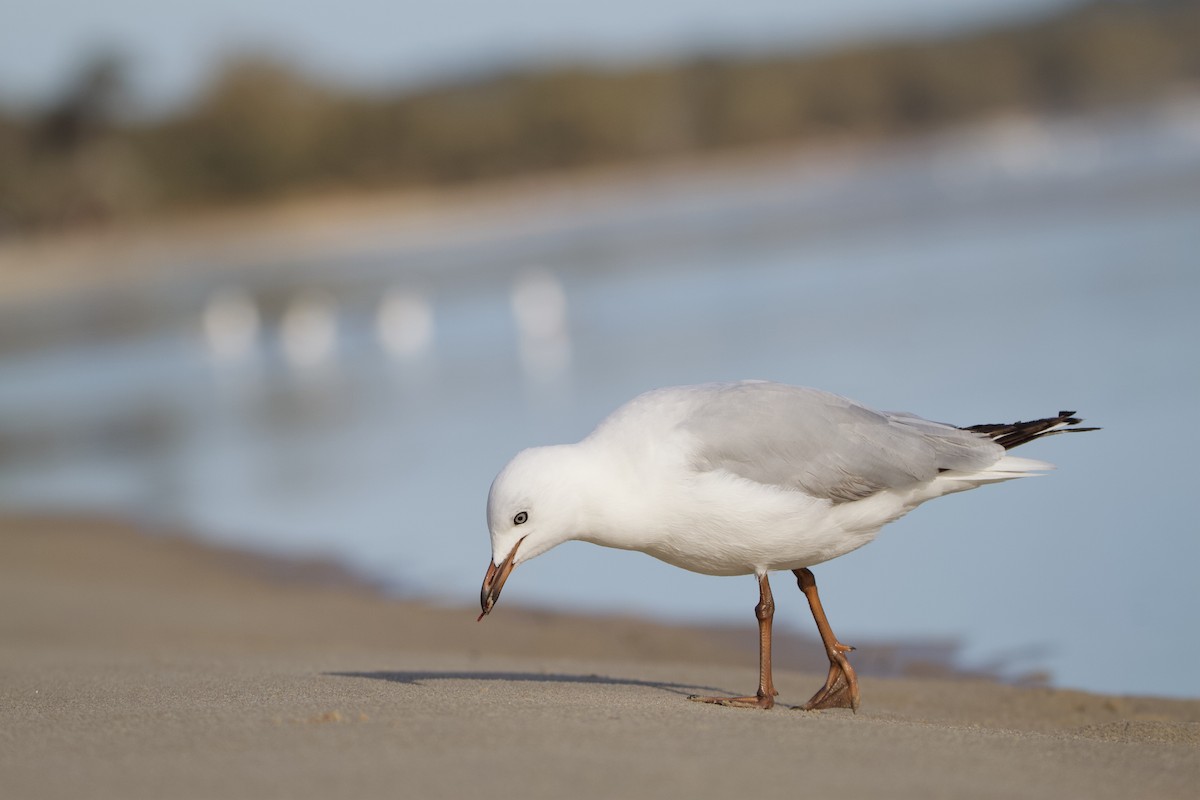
{"x": 1000, "y": 274}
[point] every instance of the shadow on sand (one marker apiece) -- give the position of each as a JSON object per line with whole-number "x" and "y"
{"x": 417, "y": 678}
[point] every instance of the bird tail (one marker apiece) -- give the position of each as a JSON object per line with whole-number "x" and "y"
{"x": 1010, "y": 436}
{"x": 1007, "y": 468}
{"x": 1018, "y": 433}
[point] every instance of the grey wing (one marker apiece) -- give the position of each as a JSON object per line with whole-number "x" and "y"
{"x": 826, "y": 445}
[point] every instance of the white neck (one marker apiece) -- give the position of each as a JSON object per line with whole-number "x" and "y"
{"x": 612, "y": 496}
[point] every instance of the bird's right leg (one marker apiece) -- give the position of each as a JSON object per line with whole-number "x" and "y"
{"x": 765, "y": 612}
{"x": 841, "y": 687}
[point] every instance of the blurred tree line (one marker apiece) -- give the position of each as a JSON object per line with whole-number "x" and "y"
{"x": 261, "y": 130}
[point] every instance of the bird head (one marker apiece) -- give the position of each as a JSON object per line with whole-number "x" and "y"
{"x": 534, "y": 505}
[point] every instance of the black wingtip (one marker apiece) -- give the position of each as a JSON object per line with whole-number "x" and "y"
{"x": 1019, "y": 433}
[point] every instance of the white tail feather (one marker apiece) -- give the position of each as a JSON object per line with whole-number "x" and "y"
{"x": 1024, "y": 466}
{"x": 1006, "y": 469}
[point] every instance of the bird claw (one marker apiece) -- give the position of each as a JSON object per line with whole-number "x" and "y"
{"x": 841, "y": 687}
{"x": 756, "y": 701}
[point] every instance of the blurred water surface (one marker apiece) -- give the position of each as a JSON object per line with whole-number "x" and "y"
{"x": 359, "y": 407}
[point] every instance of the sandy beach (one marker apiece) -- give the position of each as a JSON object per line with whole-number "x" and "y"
{"x": 145, "y": 665}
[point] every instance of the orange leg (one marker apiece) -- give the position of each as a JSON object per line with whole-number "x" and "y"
{"x": 841, "y": 687}
{"x": 765, "y": 611}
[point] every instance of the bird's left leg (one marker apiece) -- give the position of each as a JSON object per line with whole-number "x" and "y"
{"x": 765, "y": 698}
{"x": 841, "y": 687}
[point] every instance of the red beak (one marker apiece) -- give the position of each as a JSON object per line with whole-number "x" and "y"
{"x": 494, "y": 580}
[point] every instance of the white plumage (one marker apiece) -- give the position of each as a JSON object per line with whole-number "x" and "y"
{"x": 735, "y": 479}
{"x": 741, "y": 478}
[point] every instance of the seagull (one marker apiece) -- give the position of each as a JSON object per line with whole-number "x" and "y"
{"x": 746, "y": 478}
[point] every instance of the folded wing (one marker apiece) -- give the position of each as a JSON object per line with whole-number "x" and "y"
{"x": 825, "y": 445}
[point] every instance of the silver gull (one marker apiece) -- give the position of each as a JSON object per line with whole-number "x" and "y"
{"x": 744, "y": 479}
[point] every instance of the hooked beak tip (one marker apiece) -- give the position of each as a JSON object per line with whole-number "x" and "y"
{"x": 494, "y": 580}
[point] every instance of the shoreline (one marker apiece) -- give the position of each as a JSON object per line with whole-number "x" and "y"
{"x": 146, "y": 665}
{"x": 616, "y": 636}
{"x": 280, "y": 232}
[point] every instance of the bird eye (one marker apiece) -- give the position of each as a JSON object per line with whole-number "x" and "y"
{"x": 520, "y": 518}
